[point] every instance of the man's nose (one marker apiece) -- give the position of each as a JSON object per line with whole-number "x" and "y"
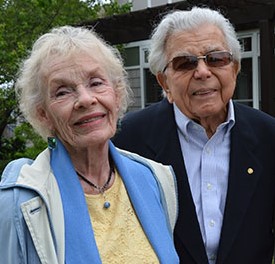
{"x": 202, "y": 70}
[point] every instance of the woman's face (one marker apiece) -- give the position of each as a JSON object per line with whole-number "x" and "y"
{"x": 204, "y": 91}
{"x": 81, "y": 105}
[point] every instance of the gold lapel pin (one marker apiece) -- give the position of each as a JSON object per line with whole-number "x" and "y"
{"x": 250, "y": 170}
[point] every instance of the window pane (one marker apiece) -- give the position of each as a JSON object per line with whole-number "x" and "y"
{"x": 131, "y": 56}
{"x": 259, "y": 83}
{"x": 153, "y": 91}
{"x": 146, "y": 54}
{"x": 243, "y": 92}
{"x": 134, "y": 79}
{"x": 246, "y": 44}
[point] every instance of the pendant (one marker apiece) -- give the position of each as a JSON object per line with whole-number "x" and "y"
{"x": 106, "y": 205}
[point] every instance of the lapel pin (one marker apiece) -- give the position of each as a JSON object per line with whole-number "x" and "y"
{"x": 250, "y": 170}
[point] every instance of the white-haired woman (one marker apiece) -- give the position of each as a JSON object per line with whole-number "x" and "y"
{"x": 82, "y": 200}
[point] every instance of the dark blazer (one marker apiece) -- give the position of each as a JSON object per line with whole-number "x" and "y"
{"x": 247, "y": 233}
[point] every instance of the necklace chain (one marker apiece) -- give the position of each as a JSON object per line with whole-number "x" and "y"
{"x": 102, "y": 188}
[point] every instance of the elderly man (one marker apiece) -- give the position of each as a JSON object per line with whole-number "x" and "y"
{"x": 222, "y": 152}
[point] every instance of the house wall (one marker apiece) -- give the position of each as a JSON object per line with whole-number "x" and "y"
{"x": 253, "y": 17}
{"x": 143, "y": 4}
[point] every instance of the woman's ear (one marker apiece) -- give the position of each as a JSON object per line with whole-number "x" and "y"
{"x": 44, "y": 117}
{"x": 117, "y": 99}
{"x": 162, "y": 80}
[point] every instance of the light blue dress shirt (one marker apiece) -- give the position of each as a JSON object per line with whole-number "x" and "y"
{"x": 207, "y": 165}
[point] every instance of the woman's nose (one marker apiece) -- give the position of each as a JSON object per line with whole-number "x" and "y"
{"x": 85, "y": 97}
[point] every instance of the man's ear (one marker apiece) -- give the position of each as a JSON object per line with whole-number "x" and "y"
{"x": 162, "y": 80}
{"x": 237, "y": 67}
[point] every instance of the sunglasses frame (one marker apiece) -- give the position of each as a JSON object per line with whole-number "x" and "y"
{"x": 197, "y": 58}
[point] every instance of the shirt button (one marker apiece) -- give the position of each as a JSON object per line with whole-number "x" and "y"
{"x": 212, "y": 223}
{"x": 208, "y": 150}
{"x": 209, "y": 186}
{"x": 212, "y": 257}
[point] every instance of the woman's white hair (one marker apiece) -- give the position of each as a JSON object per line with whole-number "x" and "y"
{"x": 180, "y": 21}
{"x": 61, "y": 42}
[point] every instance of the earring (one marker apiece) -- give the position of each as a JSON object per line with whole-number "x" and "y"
{"x": 51, "y": 142}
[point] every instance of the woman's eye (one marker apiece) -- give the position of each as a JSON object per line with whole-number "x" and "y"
{"x": 62, "y": 92}
{"x": 96, "y": 82}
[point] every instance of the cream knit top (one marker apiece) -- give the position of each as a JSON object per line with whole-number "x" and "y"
{"x": 118, "y": 233}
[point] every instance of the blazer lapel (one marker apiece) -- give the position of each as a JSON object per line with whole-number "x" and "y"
{"x": 167, "y": 148}
{"x": 243, "y": 176}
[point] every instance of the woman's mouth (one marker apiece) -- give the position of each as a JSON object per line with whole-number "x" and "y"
{"x": 89, "y": 120}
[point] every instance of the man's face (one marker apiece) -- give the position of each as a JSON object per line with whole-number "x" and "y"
{"x": 204, "y": 91}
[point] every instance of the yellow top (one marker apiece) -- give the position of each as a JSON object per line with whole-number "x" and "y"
{"x": 118, "y": 233}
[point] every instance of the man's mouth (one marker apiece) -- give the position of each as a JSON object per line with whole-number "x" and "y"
{"x": 204, "y": 92}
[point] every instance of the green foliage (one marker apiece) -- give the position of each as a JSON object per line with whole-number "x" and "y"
{"x": 24, "y": 143}
{"x": 21, "y": 23}
{"x": 114, "y": 8}
{"x": 34, "y": 143}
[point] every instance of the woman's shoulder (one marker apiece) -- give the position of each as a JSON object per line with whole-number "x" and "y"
{"x": 166, "y": 181}
{"x": 12, "y": 174}
{"x": 12, "y": 171}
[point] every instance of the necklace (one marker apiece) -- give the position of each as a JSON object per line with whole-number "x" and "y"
{"x": 101, "y": 189}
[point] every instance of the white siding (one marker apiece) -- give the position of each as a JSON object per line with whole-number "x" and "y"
{"x": 143, "y": 4}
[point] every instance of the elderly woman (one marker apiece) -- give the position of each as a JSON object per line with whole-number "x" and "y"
{"x": 82, "y": 200}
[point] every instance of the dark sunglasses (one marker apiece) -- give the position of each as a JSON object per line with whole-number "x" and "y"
{"x": 190, "y": 62}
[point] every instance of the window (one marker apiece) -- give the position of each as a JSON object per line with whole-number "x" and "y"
{"x": 248, "y": 85}
{"x": 243, "y": 91}
{"x": 153, "y": 91}
{"x": 131, "y": 56}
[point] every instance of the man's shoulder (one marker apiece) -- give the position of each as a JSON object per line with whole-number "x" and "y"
{"x": 143, "y": 111}
{"x": 148, "y": 113}
{"x": 144, "y": 125}
{"x": 251, "y": 113}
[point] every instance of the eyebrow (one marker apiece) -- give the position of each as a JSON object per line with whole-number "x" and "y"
{"x": 212, "y": 49}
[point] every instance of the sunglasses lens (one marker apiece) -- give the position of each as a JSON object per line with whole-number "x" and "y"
{"x": 183, "y": 63}
{"x": 218, "y": 59}
{"x": 190, "y": 62}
